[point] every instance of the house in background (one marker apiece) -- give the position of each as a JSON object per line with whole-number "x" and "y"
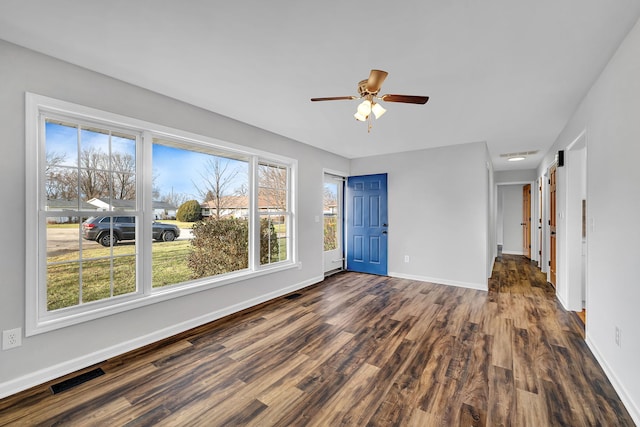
{"x": 236, "y": 206}
{"x": 161, "y": 210}
{"x": 69, "y": 206}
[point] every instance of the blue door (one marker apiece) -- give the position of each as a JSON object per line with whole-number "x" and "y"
{"x": 366, "y": 224}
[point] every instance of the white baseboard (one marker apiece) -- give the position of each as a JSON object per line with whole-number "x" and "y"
{"x": 47, "y": 374}
{"x": 628, "y": 403}
{"x": 512, "y": 252}
{"x": 477, "y": 286}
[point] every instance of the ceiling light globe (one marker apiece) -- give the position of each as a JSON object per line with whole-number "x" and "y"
{"x": 515, "y": 158}
{"x": 360, "y": 117}
{"x": 365, "y": 107}
{"x": 378, "y": 110}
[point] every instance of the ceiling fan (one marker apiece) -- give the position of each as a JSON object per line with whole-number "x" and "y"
{"x": 368, "y": 90}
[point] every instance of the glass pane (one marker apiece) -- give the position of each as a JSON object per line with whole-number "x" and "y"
{"x": 63, "y": 239}
{"x": 63, "y": 289}
{"x": 330, "y": 211}
{"x": 273, "y": 239}
{"x": 123, "y": 187}
{"x": 61, "y": 144}
{"x": 272, "y": 200}
{"x": 96, "y": 279}
{"x": 201, "y": 212}
{"x": 124, "y": 275}
{"x": 96, "y": 143}
{"x": 272, "y": 188}
{"x": 274, "y": 177}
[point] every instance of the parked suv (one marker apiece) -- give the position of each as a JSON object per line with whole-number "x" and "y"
{"x": 99, "y": 228}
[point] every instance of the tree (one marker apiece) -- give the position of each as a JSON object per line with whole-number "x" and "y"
{"x": 101, "y": 175}
{"x": 217, "y": 176}
{"x": 175, "y": 199}
{"x": 272, "y": 187}
{"x": 92, "y": 178}
{"x": 189, "y": 211}
{"x": 222, "y": 245}
{"x": 124, "y": 182}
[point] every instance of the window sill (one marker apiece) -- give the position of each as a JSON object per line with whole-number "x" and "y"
{"x": 132, "y": 302}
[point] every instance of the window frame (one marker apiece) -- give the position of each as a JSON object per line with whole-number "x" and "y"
{"x": 38, "y": 319}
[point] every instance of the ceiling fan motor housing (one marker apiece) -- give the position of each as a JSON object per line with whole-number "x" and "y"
{"x": 362, "y": 89}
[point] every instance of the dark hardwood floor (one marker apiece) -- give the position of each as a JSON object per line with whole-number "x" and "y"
{"x": 357, "y": 350}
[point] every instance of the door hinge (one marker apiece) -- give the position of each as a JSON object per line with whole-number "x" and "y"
{"x": 549, "y": 222}
{"x": 549, "y": 263}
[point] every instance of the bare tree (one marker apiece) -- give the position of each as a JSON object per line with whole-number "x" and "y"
{"x": 123, "y": 166}
{"x": 217, "y": 177}
{"x": 330, "y": 199}
{"x": 92, "y": 177}
{"x": 57, "y": 176}
{"x": 272, "y": 187}
{"x": 175, "y": 199}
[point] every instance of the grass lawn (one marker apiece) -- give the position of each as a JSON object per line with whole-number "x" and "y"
{"x": 101, "y": 279}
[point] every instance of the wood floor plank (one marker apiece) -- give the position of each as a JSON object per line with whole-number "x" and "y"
{"x": 356, "y": 350}
{"x": 531, "y": 410}
{"x": 502, "y": 397}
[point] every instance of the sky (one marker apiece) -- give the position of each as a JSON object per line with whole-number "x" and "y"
{"x": 175, "y": 169}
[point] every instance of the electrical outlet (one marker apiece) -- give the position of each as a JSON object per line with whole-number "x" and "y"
{"x": 618, "y": 337}
{"x": 406, "y": 258}
{"x": 11, "y": 338}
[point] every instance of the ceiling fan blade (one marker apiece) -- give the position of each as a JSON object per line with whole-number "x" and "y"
{"x": 376, "y": 77}
{"x": 334, "y": 98}
{"x": 409, "y": 99}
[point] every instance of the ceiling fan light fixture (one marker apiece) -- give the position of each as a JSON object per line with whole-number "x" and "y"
{"x": 378, "y": 110}
{"x": 368, "y": 90}
{"x": 365, "y": 107}
{"x": 360, "y": 117}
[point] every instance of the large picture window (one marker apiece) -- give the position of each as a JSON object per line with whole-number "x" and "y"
{"x": 122, "y": 213}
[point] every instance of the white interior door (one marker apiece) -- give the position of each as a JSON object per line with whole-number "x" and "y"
{"x": 332, "y": 207}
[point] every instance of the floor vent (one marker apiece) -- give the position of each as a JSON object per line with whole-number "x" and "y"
{"x": 75, "y": 381}
{"x": 293, "y": 296}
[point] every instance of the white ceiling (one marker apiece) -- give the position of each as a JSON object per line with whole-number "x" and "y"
{"x": 502, "y": 71}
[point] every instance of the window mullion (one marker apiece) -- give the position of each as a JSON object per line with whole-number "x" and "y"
{"x": 144, "y": 187}
{"x": 254, "y": 216}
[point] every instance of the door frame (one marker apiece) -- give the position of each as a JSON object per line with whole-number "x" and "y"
{"x": 340, "y": 261}
{"x": 552, "y": 276}
{"x": 371, "y": 232}
{"x": 526, "y": 220}
{"x": 575, "y": 272}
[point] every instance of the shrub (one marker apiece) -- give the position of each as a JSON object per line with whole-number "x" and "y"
{"x": 189, "y": 211}
{"x": 222, "y": 246}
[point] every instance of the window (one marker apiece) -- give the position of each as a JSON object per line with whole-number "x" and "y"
{"x": 273, "y": 206}
{"x": 84, "y": 164}
{"x": 103, "y": 193}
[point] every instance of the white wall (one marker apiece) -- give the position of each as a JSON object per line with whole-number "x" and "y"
{"x": 438, "y": 213}
{"x": 610, "y": 115}
{"x": 511, "y": 218}
{"x": 49, "y": 355}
